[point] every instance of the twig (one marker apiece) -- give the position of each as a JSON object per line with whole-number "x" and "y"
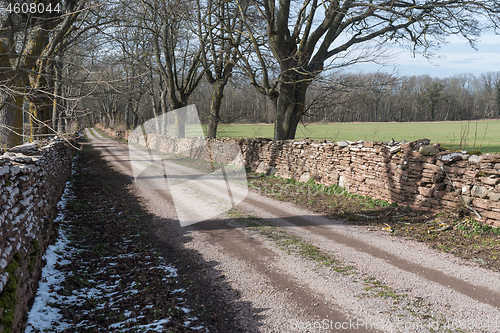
{"x": 366, "y": 216}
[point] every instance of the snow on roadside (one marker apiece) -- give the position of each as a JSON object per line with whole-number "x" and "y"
{"x": 42, "y": 315}
{"x": 50, "y": 311}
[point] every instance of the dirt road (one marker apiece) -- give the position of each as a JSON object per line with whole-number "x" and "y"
{"x": 285, "y": 269}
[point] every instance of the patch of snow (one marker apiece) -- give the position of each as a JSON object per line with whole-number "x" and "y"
{"x": 169, "y": 269}
{"x": 197, "y": 328}
{"x": 42, "y": 316}
{"x": 180, "y": 290}
{"x": 122, "y": 323}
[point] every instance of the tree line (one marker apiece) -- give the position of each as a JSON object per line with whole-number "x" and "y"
{"x": 344, "y": 97}
{"x": 383, "y": 97}
{"x": 123, "y": 61}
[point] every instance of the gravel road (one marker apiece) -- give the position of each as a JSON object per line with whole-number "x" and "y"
{"x": 388, "y": 284}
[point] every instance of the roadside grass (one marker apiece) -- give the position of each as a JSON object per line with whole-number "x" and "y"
{"x": 291, "y": 243}
{"x": 456, "y": 233}
{"x": 382, "y": 291}
{"x": 481, "y": 135}
{"x": 295, "y": 245}
{"x": 91, "y": 130}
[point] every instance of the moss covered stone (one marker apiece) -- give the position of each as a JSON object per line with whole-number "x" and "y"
{"x": 8, "y": 299}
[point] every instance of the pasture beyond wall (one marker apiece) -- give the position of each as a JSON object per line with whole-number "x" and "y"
{"x": 32, "y": 178}
{"x": 409, "y": 173}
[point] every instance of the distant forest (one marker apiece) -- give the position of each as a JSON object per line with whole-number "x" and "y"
{"x": 348, "y": 97}
{"x": 341, "y": 97}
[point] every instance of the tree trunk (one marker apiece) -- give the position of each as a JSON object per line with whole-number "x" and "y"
{"x": 289, "y": 107}
{"x": 164, "y": 109}
{"x": 180, "y": 113}
{"x": 11, "y": 121}
{"x": 135, "y": 120}
{"x": 56, "y": 110}
{"x": 60, "y": 123}
{"x": 127, "y": 112}
{"x": 40, "y": 111}
{"x": 11, "y": 106}
{"x": 217, "y": 95}
{"x": 155, "y": 115}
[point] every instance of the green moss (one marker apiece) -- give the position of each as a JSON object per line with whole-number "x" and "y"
{"x": 8, "y": 183}
{"x": 474, "y": 152}
{"x": 13, "y": 266}
{"x": 36, "y": 245}
{"x": 8, "y": 299}
{"x": 31, "y": 264}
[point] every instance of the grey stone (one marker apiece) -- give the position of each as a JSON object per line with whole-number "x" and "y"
{"x": 14, "y": 170}
{"x": 342, "y": 144}
{"x": 451, "y": 157}
{"x": 428, "y": 151}
{"x": 305, "y": 177}
{"x": 263, "y": 167}
{"x": 494, "y": 196}
{"x": 423, "y": 142}
{"x": 467, "y": 199}
{"x": 475, "y": 159}
{"x": 4, "y": 169}
{"x": 440, "y": 186}
{"x": 25, "y": 148}
{"x": 342, "y": 181}
{"x": 392, "y": 143}
{"x": 9, "y": 154}
{"x": 395, "y": 149}
{"x": 479, "y": 191}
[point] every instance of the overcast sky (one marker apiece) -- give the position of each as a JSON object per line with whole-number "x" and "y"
{"x": 457, "y": 57}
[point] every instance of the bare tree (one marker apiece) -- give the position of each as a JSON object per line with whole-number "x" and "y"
{"x": 308, "y": 36}
{"x": 32, "y": 46}
{"x": 175, "y": 50}
{"x": 220, "y": 31}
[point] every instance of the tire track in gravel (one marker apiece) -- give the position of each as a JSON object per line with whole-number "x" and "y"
{"x": 253, "y": 252}
{"x": 479, "y": 293}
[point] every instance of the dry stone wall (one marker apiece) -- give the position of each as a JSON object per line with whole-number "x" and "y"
{"x": 32, "y": 178}
{"x": 409, "y": 173}
{"x": 412, "y": 173}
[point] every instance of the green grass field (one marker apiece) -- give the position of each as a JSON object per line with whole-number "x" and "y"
{"x": 481, "y": 135}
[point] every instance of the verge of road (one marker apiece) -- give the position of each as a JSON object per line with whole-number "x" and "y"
{"x": 293, "y": 269}
{"x": 108, "y": 273}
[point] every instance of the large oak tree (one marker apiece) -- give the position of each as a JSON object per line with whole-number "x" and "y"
{"x": 308, "y": 36}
